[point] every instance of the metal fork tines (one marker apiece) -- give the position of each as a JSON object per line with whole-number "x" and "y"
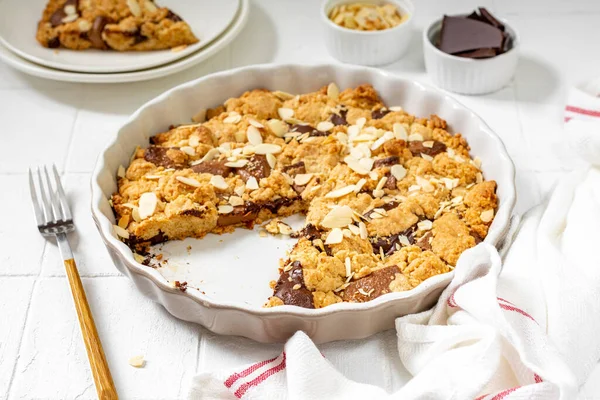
{"x": 51, "y": 208}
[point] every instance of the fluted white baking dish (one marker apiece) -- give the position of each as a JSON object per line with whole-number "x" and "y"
{"x": 233, "y": 270}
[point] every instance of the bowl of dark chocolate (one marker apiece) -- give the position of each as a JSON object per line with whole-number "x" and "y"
{"x": 473, "y": 53}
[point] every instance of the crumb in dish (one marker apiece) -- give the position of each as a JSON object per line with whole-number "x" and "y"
{"x": 390, "y": 199}
{"x": 122, "y": 25}
{"x": 367, "y": 16}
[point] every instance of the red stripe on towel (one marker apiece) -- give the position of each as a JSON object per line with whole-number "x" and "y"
{"x": 234, "y": 377}
{"x": 515, "y": 309}
{"x": 583, "y": 111}
{"x": 260, "y": 378}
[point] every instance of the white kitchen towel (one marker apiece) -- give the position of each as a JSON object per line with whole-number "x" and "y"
{"x": 525, "y": 328}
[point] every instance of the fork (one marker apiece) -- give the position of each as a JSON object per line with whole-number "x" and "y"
{"x": 54, "y": 218}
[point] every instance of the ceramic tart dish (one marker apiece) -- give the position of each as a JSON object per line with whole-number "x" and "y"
{"x": 235, "y": 272}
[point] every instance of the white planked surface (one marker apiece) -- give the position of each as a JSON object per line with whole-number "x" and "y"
{"x": 41, "y": 353}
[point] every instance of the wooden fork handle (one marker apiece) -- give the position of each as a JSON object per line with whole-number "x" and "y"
{"x": 102, "y": 377}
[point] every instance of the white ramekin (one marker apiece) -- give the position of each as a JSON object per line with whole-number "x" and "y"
{"x": 466, "y": 75}
{"x": 234, "y": 316}
{"x": 367, "y": 47}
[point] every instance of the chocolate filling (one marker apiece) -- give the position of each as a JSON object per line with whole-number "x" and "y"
{"x": 388, "y": 243}
{"x": 386, "y": 162}
{"x": 308, "y": 129}
{"x": 95, "y": 33}
{"x": 58, "y": 15}
{"x": 417, "y": 148}
{"x": 284, "y": 289}
{"x": 257, "y": 167}
{"x": 387, "y": 207}
{"x": 173, "y": 17}
{"x": 375, "y": 284}
{"x": 339, "y": 119}
{"x": 193, "y": 212}
{"x": 140, "y": 245}
{"x": 240, "y": 214}
{"x": 310, "y": 232}
{"x": 378, "y": 114}
{"x": 213, "y": 167}
{"x": 53, "y": 43}
{"x": 159, "y": 157}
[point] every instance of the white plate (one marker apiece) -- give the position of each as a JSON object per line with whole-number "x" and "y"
{"x": 233, "y": 271}
{"x": 18, "y": 23}
{"x": 48, "y": 73}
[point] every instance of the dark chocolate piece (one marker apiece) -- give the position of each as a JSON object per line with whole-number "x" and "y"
{"x": 295, "y": 169}
{"x": 159, "y": 156}
{"x": 214, "y": 167}
{"x": 53, "y": 43}
{"x": 388, "y": 243}
{"x": 339, "y": 119}
{"x": 425, "y": 241}
{"x": 490, "y": 19}
{"x": 310, "y": 232}
{"x": 378, "y": 114}
{"x": 173, "y": 17}
{"x": 240, "y": 214}
{"x": 386, "y": 162}
{"x": 417, "y": 148}
{"x": 479, "y": 53}
{"x": 387, "y": 207}
{"x": 288, "y": 280}
{"x": 460, "y": 34}
{"x": 275, "y": 205}
{"x": 308, "y": 129}
{"x": 95, "y": 33}
{"x": 58, "y": 15}
{"x": 391, "y": 182}
{"x": 257, "y": 167}
{"x": 193, "y": 212}
{"x": 374, "y": 285}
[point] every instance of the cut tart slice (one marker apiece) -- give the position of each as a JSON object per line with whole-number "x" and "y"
{"x": 122, "y": 25}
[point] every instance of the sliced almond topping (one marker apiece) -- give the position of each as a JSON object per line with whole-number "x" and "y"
{"x": 339, "y": 217}
{"x": 200, "y": 116}
{"x": 252, "y": 183}
{"x": 414, "y": 188}
{"x": 149, "y": 5}
{"x": 324, "y": 126}
{"x": 254, "y": 136}
{"x": 400, "y": 131}
{"x": 296, "y": 286}
{"x": 379, "y": 193}
{"x": 121, "y": 171}
{"x": 267, "y": 148}
{"x": 240, "y": 136}
{"x": 354, "y": 229}
{"x": 359, "y": 185}
{"x": 363, "y": 230}
{"x": 84, "y": 25}
{"x": 335, "y": 236}
{"x": 477, "y": 162}
{"x": 135, "y": 213}
{"x": 425, "y": 225}
{"x": 333, "y": 92}
{"x": 334, "y": 194}
{"x": 302, "y": 179}
{"x": 284, "y": 228}
{"x": 236, "y": 201}
{"x": 233, "y": 118}
{"x": 415, "y": 137}
{"x": 487, "y": 215}
{"x": 138, "y": 257}
{"x": 70, "y": 9}
{"x": 479, "y": 177}
{"x": 120, "y": 232}
{"x": 353, "y": 130}
{"x": 428, "y": 144}
{"x": 450, "y": 183}
{"x": 237, "y": 164}
{"x": 278, "y": 127}
{"x": 188, "y": 150}
{"x": 194, "y": 141}
{"x": 272, "y": 160}
{"x": 137, "y": 361}
{"x": 255, "y": 123}
{"x": 403, "y": 240}
{"x": 123, "y": 221}
{"x": 225, "y": 209}
{"x": 219, "y": 182}
{"x": 348, "y": 265}
{"x": 426, "y": 157}
{"x": 285, "y": 113}
{"x": 398, "y": 172}
{"x": 381, "y": 183}
{"x": 134, "y": 7}
{"x": 147, "y": 204}
{"x": 361, "y": 122}
{"x": 239, "y": 190}
{"x": 283, "y": 95}
{"x": 69, "y": 18}
{"x": 395, "y": 108}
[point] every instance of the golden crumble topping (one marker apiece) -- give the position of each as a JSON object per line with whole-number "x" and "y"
{"x": 390, "y": 199}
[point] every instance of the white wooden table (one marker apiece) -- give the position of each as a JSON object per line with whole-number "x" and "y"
{"x": 41, "y": 352}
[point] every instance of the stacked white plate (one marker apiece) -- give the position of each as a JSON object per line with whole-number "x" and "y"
{"x": 215, "y": 23}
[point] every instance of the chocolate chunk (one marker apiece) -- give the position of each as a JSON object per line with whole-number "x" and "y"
{"x": 475, "y": 16}
{"x": 275, "y": 205}
{"x": 378, "y": 114}
{"x": 387, "y": 207}
{"x": 308, "y": 129}
{"x": 58, "y": 15}
{"x": 417, "y": 148}
{"x": 214, "y": 167}
{"x": 284, "y": 289}
{"x": 95, "y": 33}
{"x": 490, "y": 19}
{"x": 193, "y": 212}
{"x": 53, "y": 43}
{"x": 310, "y": 232}
{"x": 141, "y": 245}
{"x": 159, "y": 157}
{"x": 479, "y": 53}
{"x": 139, "y": 38}
{"x": 388, "y": 243}
{"x": 425, "y": 241}
{"x": 386, "y": 162}
{"x": 295, "y": 169}
{"x": 374, "y": 285}
{"x": 339, "y": 119}
{"x": 240, "y": 214}
{"x": 391, "y": 182}
{"x": 460, "y": 34}
{"x": 173, "y": 17}
{"x": 476, "y": 236}
{"x": 257, "y": 166}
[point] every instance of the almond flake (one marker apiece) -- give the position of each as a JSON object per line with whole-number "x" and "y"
{"x": 414, "y": 188}
{"x": 254, "y": 136}
{"x": 149, "y": 5}
{"x": 296, "y": 286}
{"x": 225, "y": 209}
{"x": 200, "y": 116}
{"x": 341, "y": 192}
{"x": 121, "y": 171}
{"x": 353, "y": 130}
{"x": 324, "y": 126}
{"x": 425, "y": 225}
{"x": 333, "y": 92}
{"x": 477, "y": 162}
{"x": 379, "y": 193}
{"x": 398, "y": 172}
{"x": 236, "y": 201}
{"x": 284, "y": 228}
{"x": 239, "y": 190}
{"x": 194, "y": 141}
{"x": 219, "y": 182}
{"x": 335, "y": 236}
{"x": 137, "y": 361}
{"x": 135, "y": 213}
{"x": 134, "y": 7}
{"x": 403, "y": 240}
{"x": 285, "y": 113}
{"x": 138, "y": 257}
{"x": 240, "y": 136}
{"x": 487, "y": 215}
{"x": 123, "y": 221}
{"x": 428, "y": 144}
{"x": 363, "y": 230}
{"x": 255, "y": 123}
{"x": 338, "y": 217}
{"x": 400, "y": 131}
{"x": 425, "y": 184}
{"x": 267, "y": 148}
{"x": 120, "y": 232}
{"x": 381, "y": 183}
{"x": 70, "y": 9}
{"x": 361, "y": 122}
{"x": 426, "y": 157}
{"x": 415, "y": 137}
{"x": 278, "y": 127}
{"x": 84, "y": 25}
{"x": 395, "y": 108}
{"x": 69, "y": 18}
{"x": 272, "y": 160}
{"x": 450, "y": 183}
{"x": 347, "y": 232}
{"x": 237, "y": 164}
{"x": 354, "y": 229}
{"x": 302, "y": 179}
{"x": 233, "y": 118}
{"x": 252, "y": 183}
{"x": 283, "y": 95}
{"x": 479, "y": 177}
{"x": 362, "y": 291}
{"x": 210, "y": 155}
{"x": 147, "y": 205}
{"x": 359, "y": 185}
{"x": 188, "y": 150}
{"x": 348, "y": 265}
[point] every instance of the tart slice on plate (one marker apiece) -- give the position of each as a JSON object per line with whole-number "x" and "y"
{"x": 122, "y": 25}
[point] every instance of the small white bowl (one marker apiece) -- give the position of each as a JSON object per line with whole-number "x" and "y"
{"x": 466, "y": 75}
{"x": 367, "y": 47}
